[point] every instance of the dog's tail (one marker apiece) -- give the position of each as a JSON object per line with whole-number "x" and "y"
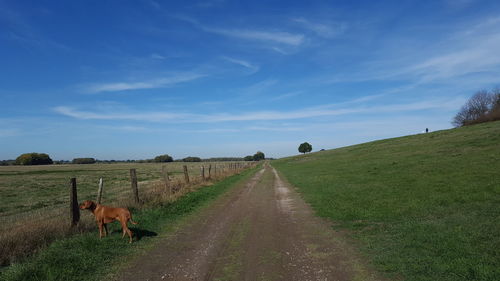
{"x": 131, "y": 221}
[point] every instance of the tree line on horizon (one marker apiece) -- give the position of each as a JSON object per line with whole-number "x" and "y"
{"x": 34, "y": 158}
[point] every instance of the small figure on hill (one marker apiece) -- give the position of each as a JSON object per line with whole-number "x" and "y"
{"x": 426, "y": 130}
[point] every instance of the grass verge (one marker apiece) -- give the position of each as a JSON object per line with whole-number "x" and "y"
{"x": 423, "y": 207}
{"x": 86, "y": 255}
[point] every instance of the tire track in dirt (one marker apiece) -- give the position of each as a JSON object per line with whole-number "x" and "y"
{"x": 262, "y": 230}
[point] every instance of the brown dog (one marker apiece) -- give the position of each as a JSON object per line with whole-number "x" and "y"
{"x": 104, "y": 215}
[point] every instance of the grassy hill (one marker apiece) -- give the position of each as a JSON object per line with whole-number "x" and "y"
{"x": 423, "y": 207}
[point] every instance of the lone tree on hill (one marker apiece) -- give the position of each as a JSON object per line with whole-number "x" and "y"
{"x": 259, "y": 156}
{"x": 34, "y": 159}
{"x": 164, "y": 158}
{"x": 305, "y": 147}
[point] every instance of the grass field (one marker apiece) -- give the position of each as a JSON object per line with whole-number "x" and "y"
{"x": 422, "y": 207}
{"x": 85, "y": 257}
{"x": 34, "y": 200}
{"x": 28, "y": 189}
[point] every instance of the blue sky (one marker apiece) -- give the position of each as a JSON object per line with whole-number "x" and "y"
{"x": 135, "y": 79}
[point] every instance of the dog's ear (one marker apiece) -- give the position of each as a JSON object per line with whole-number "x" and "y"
{"x": 86, "y": 204}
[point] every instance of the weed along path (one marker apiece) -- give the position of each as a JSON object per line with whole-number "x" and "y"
{"x": 262, "y": 230}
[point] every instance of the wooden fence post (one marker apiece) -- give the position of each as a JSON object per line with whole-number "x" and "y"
{"x": 135, "y": 190}
{"x": 203, "y": 172}
{"x": 99, "y": 191}
{"x": 215, "y": 170}
{"x": 186, "y": 176}
{"x": 210, "y": 171}
{"x": 74, "y": 208}
{"x": 164, "y": 172}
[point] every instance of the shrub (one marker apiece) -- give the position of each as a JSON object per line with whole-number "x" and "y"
{"x": 248, "y": 158}
{"x": 163, "y": 158}
{"x": 191, "y": 159}
{"x": 259, "y": 156}
{"x": 34, "y": 159}
{"x": 83, "y": 161}
{"x": 483, "y": 106}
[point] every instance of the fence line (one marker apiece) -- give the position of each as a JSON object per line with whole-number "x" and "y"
{"x": 169, "y": 187}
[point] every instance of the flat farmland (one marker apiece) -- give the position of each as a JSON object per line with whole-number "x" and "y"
{"x": 38, "y": 190}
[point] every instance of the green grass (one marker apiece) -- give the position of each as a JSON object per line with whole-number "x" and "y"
{"x": 87, "y": 255}
{"x": 422, "y": 207}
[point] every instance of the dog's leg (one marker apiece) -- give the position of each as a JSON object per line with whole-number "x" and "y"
{"x": 124, "y": 226}
{"x": 106, "y": 232}
{"x": 129, "y": 235}
{"x": 100, "y": 229}
{"x": 126, "y": 230}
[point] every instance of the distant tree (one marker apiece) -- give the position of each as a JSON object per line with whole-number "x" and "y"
{"x": 83, "y": 161}
{"x": 248, "y": 158}
{"x": 305, "y": 147}
{"x": 34, "y": 159}
{"x": 191, "y": 159}
{"x": 163, "y": 158}
{"x": 219, "y": 159}
{"x": 7, "y": 162}
{"x": 259, "y": 156}
{"x": 483, "y": 106}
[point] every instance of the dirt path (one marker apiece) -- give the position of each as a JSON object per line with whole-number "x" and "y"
{"x": 262, "y": 230}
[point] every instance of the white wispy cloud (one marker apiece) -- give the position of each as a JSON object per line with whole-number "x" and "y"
{"x": 157, "y": 57}
{"x": 280, "y": 50}
{"x": 18, "y": 28}
{"x": 470, "y": 51}
{"x": 257, "y": 88}
{"x": 274, "y": 129}
{"x": 154, "y": 4}
{"x": 305, "y": 113}
{"x": 142, "y": 116}
{"x": 279, "y": 37}
{"x": 246, "y": 129}
{"x": 285, "y": 96}
{"x": 128, "y": 128}
{"x": 243, "y": 63}
{"x": 322, "y": 29}
{"x": 481, "y": 56}
{"x": 150, "y": 84}
{"x": 269, "y": 36}
{"x": 322, "y": 112}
